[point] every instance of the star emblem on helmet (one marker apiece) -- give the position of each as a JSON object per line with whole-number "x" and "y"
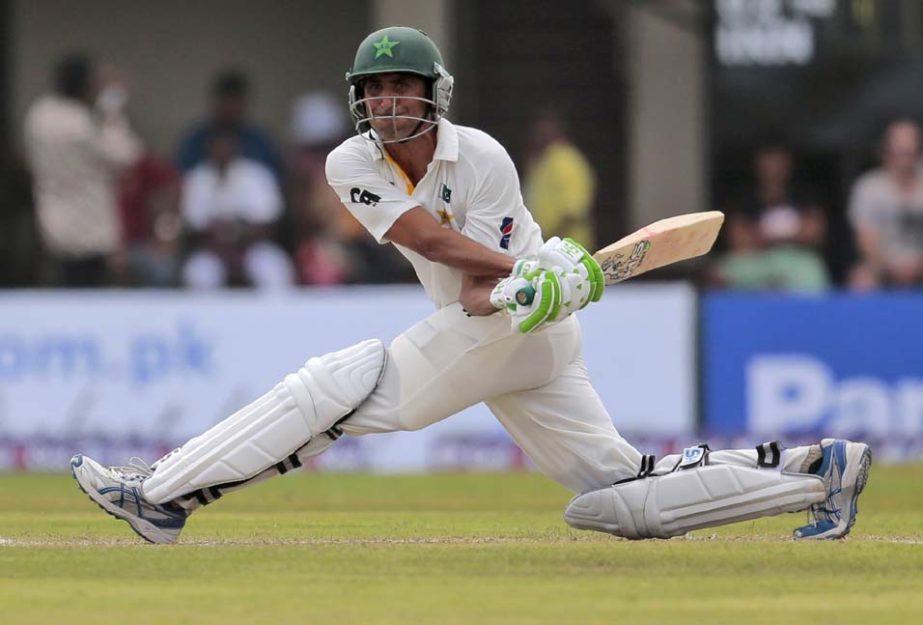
{"x": 383, "y": 47}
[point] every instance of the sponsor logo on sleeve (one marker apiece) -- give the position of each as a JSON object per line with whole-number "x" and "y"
{"x": 361, "y": 196}
{"x": 506, "y": 229}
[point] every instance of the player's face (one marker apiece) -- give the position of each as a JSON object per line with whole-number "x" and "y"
{"x": 902, "y": 147}
{"x": 395, "y": 104}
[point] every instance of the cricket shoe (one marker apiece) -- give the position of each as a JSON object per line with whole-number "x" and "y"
{"x": 117, "y": 490}
{"x": 845, "y": 469}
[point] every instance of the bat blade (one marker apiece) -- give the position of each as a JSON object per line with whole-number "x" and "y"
{"x": 662, "y": 243}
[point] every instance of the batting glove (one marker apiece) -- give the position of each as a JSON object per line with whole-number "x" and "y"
{"x": 567, "y": 256}
{"x": 532, "y": 300}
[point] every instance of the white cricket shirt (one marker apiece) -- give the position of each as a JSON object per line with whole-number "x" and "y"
{"x": 247, "y": 191}
{"x": 471, "y": 186}
{"x": 75, "y": 160}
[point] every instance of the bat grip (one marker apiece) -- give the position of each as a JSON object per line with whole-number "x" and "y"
{"x": 525, "y": 295}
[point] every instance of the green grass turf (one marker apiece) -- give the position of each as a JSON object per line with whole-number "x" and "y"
{"x": 466, "y": 549}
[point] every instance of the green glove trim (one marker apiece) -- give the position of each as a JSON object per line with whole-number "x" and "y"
{"x": 594, "y": 272}
{"x": 597, "y": 278}
{"x": 548, "y": 307}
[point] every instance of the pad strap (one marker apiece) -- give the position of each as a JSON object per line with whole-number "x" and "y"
{"x": 768, "y": 455}
{"x": 647, "y": 466}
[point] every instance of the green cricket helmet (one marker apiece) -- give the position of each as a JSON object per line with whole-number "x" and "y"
{"x": 399, "y": 49}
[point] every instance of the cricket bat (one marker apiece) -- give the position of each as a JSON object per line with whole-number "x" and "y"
{"x": 662, "y": 243}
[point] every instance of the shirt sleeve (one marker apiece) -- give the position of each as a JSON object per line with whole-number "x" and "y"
{"x": 497, "y": 217}
{"x": 861, "y": 204}
{"x": 573, "y": 182}
{"x": 115, "y": 143}
{"x": 196, "y": 199}
{"x": 191, "y": 149}
{"x": 374, "y": 201}
{"x": 261, "y": 200}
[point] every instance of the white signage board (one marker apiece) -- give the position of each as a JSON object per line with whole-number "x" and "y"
{"x": 138, "y": 372}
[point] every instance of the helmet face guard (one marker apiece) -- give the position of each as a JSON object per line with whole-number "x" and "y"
{"x": 404, "y": 51}
{"x": 362, "y": 108}
{"x": 437, "y": 105}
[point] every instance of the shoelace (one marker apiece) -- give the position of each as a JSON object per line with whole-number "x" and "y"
{"x": 820, "y": 511}
{"x": 832, "y": 515}
{"x": 135, "y": 471}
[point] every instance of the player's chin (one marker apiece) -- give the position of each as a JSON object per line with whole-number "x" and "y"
{"x": 390, "y": 134}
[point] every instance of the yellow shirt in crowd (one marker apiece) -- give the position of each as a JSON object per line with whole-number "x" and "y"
{"x": 559, "y": 190}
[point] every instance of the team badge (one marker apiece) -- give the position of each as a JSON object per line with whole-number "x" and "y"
{"x": 506, "y": 229}
{"x": 383, "y": 47}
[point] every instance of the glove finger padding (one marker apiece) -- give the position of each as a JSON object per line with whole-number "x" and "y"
{"x": 571, "y": 256}
{"x": 525, "y": 268}
{"x": 576, "y": 292}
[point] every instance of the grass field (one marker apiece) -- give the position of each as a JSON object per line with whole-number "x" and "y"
{"x": 444, "y": 549}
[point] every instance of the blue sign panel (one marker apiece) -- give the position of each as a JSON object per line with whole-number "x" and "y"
{"x": 837, "y": 365}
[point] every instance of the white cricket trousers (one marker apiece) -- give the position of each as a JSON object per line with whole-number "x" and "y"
{"x": 536, "y": 385}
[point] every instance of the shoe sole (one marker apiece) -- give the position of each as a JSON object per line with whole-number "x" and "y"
{"x": 159, "y": 537}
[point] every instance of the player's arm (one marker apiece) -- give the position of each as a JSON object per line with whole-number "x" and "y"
{"x": 862, "y": 215}
{"x": 419, "y": 231}
{"x": 482, "y": 293}
{"x": 868, "y": 240}
{"x": 389, "y": 214}
{"x": 475, "y": 295}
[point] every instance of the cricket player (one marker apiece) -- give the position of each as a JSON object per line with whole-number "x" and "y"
{"x": 504, "y": 333}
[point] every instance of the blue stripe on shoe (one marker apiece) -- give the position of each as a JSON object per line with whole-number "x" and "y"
{"x": 840, "y": 454}
{"x": 827, "y": 455}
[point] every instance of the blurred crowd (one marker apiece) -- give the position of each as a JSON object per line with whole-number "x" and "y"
{"x": 230, "y": 207}
{"x": 777, "y": 233}
{"x": 234, "y": 208}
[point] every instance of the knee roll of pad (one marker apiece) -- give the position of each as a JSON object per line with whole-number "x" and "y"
{"x": 305, "y": 404}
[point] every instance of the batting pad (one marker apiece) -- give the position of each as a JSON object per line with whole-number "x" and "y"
{"x": 682, "y": 501}
{"x": 306, "y": 403}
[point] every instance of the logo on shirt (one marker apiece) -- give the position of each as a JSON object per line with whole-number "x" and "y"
{"x": 361, "y": 196}
{"x": 506, "y": 229}
{"x": 446, "y": 194}
{"x": 445, "y": 217}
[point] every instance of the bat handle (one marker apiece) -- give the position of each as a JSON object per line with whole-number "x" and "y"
{"x": 525, "y": 295}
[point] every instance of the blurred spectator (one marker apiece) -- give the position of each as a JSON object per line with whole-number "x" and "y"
{"x": 231, "y": 204}
{"x": 149, "y": 202}
{"x": 18, "y": 242}
{"x": 331, "y": 246}
{"x": 775, "y": 232}
{"x": 229, "y": 111}
{"x": 78, "y": 139}
{"x": 886, "y": 211}
{"x": 559, "y": 183}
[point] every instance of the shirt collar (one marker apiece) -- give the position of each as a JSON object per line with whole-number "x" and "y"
{"x": 446, "y": 143}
